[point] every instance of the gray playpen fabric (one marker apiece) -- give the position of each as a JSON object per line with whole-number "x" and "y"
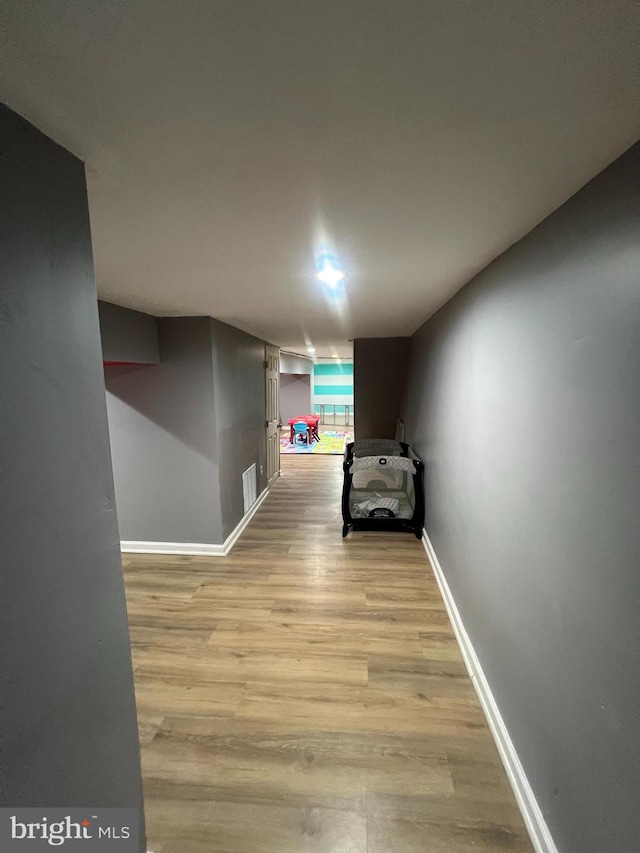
{"x": 382, "y": 482}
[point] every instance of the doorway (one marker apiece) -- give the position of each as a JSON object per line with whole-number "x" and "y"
{"x": 323, "y": 389}
{"x": 272, "y": 374}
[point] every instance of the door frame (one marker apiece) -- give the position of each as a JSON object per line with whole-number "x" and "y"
{"x": 272, "y": 410}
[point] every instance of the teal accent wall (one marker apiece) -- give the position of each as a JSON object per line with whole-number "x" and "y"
{"x": 333, "y": 390}
{"x": 333, "y": 386}
{"x": 333, "y": 369}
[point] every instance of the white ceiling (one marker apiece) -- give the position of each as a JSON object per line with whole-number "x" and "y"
{"x": 221, "y": 138}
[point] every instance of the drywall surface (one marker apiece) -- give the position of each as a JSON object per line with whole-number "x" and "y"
{"x": 163, "y": 439}
{"x": 183, "y": 431}
{"x": 290, "y": 363}
{"x": 128, "y": 336}
{"x": 379, "y": 372}
{"x": 68, "y": 734}
{"x": 239, "y": 393}
{"x": 295, "y": 396}
{"x": 523, "y": 400}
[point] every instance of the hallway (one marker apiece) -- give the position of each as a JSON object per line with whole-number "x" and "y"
{"x": 306, "y": 693}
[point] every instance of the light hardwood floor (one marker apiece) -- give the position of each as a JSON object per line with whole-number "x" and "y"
{"x": 306, "y": 693}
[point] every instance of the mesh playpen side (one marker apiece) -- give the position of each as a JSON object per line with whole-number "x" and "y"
{"x": 384, "y": 490}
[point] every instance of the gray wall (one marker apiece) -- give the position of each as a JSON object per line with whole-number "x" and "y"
{"x": 290, "y": 363}
{"x": 524, "y": 402}
{"x": 239, "y": 393}
{"x": 183, "y": 432}
{"x": 68, "y": 732}
{"x": 128, "y": 335}
{"x": 379, "y": 372}
{"x": 163, "y": 439}
{"x": 295, "y": 396}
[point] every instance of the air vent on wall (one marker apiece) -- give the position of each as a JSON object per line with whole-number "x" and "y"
{"x": 249, "y": 487}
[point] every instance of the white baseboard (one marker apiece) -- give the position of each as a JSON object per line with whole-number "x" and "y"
{"x": 533, "y": 817}
{"x": 194, "y": 549}
{"x": 233, "y": 537}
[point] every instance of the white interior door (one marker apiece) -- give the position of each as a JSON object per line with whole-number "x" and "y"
{"x": 272, "y": 375}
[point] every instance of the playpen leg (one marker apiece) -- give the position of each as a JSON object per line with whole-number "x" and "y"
{"x": 345, "y": 530}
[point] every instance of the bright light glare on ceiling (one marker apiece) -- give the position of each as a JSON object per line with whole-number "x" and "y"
{"x": 329, "y": 272}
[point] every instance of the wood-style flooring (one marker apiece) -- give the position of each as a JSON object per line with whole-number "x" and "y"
{"x": 306, "y": 693}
